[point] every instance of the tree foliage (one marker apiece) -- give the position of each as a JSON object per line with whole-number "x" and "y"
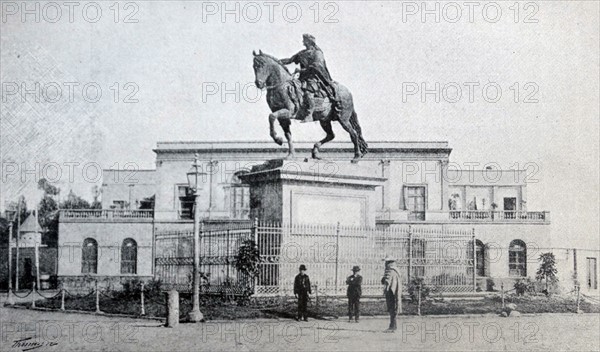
{"x": 547, "y": 270}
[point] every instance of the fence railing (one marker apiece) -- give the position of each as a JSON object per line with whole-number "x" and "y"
{"x": 444, "y": 258}
{"x": 106, "y": 214}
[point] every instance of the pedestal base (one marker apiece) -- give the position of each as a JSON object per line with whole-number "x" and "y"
{"x": 313, "y": 192}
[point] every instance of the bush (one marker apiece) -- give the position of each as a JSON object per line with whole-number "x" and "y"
{"x": 413, "y": 289}
{"x": 490, "y": 284}
{"x": 523, "y": 286}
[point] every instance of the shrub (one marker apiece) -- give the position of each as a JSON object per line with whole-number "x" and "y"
{"x": 413, "y": 289}
{"x": 522, "y": 286}
{"x": 490, "y": 284}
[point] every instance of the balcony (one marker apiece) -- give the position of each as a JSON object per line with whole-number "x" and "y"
{"x": 467, "y": 216}
{"x": 499, "y": 216}
{"x": 105, "y": 215}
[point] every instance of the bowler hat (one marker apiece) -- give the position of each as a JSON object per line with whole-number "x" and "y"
{"x": 302, "y": 267}
{"x": 388, "y": 259}
{"x": 356, "y": 268}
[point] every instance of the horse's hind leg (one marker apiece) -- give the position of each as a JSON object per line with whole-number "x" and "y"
{"x": 326, "y": 125}
{"x": 353, "y": 137}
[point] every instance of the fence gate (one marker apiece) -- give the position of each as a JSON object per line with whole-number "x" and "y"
{"x": 219, "y": 244}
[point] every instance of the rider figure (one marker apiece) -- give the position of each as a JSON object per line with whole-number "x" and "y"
{"x": 314, "y": 75}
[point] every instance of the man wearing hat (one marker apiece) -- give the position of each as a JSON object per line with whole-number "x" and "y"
{"x": 392, "y": 289}
{"x": 354, "y": 292}
{"x": 301, "y": 291}
{"x": 314, "y": 76}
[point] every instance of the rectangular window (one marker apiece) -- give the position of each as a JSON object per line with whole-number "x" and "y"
{"x": 186, "y": 202}
{"x": 240, "y": 202}
{"x": 592, "y": 270}
{"x": 414, "y": 197}
{"x": 510, "y": 208}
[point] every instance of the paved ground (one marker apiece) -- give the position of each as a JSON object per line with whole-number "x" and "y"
{"x": 53, "y": 331}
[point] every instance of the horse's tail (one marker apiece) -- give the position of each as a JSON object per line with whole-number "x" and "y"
{"x": 362, "y": 144}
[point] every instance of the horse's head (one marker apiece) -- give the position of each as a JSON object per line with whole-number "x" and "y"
{"x": 267, "y": 70}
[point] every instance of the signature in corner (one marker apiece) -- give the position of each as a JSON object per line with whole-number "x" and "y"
{"x": 26, "y": 345}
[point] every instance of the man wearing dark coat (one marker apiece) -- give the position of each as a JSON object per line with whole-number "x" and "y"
{"x": 354, "y": 292}
{"x": 392, "y": 290}
{"x": 314, "y": 76}
{"x": 301, "y": 291}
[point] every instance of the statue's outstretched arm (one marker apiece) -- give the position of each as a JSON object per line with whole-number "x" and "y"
{"x": 286, "y": 61}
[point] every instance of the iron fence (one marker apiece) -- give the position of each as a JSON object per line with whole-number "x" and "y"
{"x": 444, "y": 258}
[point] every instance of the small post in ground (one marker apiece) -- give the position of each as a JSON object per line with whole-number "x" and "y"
{"x": 143, "y": 312}
{"x": 33, "y": 294}
{"x": 62, "y": 298}
{"x": 578, "y": 288}
{"x": 502, "y": 294}
{"x": 97, "y": 299}
{"x": 172, "y": 309}
{"x": 317, "y": 298}
{"x": 419, "y": 300}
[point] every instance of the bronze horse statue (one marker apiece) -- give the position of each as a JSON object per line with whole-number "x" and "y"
{"x": 285, "y": 99}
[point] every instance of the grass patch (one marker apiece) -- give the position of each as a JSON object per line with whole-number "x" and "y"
{"x": 215, "y": 308}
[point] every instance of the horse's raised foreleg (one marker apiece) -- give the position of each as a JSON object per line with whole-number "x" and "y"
{"x": 283, "y": 116}
{"x": 285, "y": 125}
{"x": 276, "y": 138}
{"x": 326, "y": 125}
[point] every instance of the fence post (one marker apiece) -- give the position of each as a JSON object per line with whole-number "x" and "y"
{"x": 474, "y": 248}
{"x": 419, "y": 300}
{"x": 143, "y": 310}
{"x": 502, "y": 294}
{"x": 410, "y": 253}
{"x": 62, "y": 298}
{"x": 337, "y": 255}
{"x": 97, "y": 298}
{"x": 33, "y": 294}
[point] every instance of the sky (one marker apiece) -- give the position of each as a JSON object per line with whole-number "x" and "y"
{"x": 157, "y": 65}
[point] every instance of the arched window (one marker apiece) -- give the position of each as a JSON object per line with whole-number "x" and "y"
{"x": 517, "y": 258}
{"x": 129, "y": 257}
{"x": 479, "y": 257}
{"x": 89, "y": 256}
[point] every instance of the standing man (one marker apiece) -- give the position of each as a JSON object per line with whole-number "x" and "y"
{"x": 314, "y": 76}
{"x": 392, "y": 290}
{"x": 301, "y": 291}
{"x": 354, "y": 292}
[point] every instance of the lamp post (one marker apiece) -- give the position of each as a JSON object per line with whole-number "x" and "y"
{"x": 10, "y": 217}
{"x": 195, "y": 183}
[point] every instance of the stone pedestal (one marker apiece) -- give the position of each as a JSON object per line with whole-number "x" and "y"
{"x": 314, "y": 192}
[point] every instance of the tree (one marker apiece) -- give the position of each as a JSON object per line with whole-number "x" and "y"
{"x": 74, "y": 201}
{"x": 547, "y": 270}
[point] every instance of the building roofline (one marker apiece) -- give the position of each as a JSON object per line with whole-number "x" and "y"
{"x": 176, "y": 146}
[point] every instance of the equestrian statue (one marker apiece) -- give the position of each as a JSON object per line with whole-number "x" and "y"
{"x": 314, "y": 96}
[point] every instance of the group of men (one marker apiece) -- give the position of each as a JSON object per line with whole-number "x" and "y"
{"x": 392, "y": 290}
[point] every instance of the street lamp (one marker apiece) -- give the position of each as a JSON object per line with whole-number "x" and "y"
{"x": 10, "y": 215}
{"x": 195, "y": 178}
